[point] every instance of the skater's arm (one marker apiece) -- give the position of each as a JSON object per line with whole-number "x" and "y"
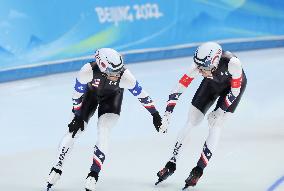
{"x": 129, "y": 81}
{"x": 176, "y": 92}
{"x": 84, "y": 76}
{"x": 180, "y": 87}
{"x": 235, "y": 69}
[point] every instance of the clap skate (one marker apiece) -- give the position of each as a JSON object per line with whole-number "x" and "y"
{"x": 167, "y": 171}
{"x": 193, "y": 178}
{"x": 91, "y": 181}
{"x": 53, "y": 177}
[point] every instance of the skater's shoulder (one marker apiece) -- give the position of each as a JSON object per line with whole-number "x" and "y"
{"x": 228, "y": 55}
{"x": 93, "y": 63}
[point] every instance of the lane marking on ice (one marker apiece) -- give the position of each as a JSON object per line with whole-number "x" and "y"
{"x": 276, "y": 184}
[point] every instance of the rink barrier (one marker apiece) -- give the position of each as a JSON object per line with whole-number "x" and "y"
{"x": 69, "y": 65}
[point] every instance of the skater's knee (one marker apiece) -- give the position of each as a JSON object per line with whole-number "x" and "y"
{"x": 194, "y": 121}
{"x": 107, "y": 120}
{"x": 215, "y": 122}
{"x": 195, "y": 116}
{"x": 217, "y": 118}
{"x": 105, "y": 124}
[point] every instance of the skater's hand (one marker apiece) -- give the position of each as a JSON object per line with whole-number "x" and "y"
{"x": 76, "y": 124}
{"x": 157, "y": 120}
{"x": 165, "y": 122}
{"x": 215, "y": 118}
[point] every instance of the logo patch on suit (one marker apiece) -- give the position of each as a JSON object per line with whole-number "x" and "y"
{"x": 112, "y": 83}
{"x": 225, "y": 73}
{"x": 96, "y": 82}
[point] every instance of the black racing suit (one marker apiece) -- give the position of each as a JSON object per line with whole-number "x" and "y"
{"x": 102, "y": 93}
{"x": 210, "y": 89}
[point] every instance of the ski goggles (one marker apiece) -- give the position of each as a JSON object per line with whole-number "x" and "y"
{"x": 112, "y": 73}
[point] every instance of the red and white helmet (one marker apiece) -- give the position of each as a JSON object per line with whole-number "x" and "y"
{"x": 207, "y": 56}
{"x": 109, "y": 61}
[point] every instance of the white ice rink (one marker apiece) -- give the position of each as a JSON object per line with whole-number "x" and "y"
{"x": 250, "y": 157}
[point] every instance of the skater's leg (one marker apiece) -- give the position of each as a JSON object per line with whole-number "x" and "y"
{"x": 105, "y": 123}
{"x": 216, "y": 120}
{"x": 76, "y": 126}
{"x": 195, "y": 117}
{"x": 209, "y": 147}
{"x": 108, "y": 112}
{"x": 66, "y": 144}
{"x": 203, "y": 99}
{"x": 64, "y": 151}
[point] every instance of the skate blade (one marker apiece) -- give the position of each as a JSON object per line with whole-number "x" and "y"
{"x": 185, "y": 187}
{"x": 158, "y": 182}
{"x": 48, "y": 187}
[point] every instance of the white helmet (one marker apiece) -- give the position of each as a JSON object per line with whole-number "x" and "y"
{"x": 109, "y": 61}
{"x": 207, "y": 56}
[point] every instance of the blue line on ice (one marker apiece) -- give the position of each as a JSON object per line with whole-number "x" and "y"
{"x": 276, "y": 184}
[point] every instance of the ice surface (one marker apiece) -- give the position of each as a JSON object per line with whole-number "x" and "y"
{"x": 250, "y": 156}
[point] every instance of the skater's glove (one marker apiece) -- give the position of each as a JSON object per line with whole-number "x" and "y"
{"x": 215, "y": 118}
{"x": 157, "y": 120}
{"x": 76, "y": 124}
{"x": 165, "y": 122}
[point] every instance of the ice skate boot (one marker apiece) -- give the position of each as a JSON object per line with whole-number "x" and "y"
{"x": 91, "y": 181}
{"x": 53, "y": 177}
{"x": 193, "y": 178}
{"x": 167, "y": 171}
